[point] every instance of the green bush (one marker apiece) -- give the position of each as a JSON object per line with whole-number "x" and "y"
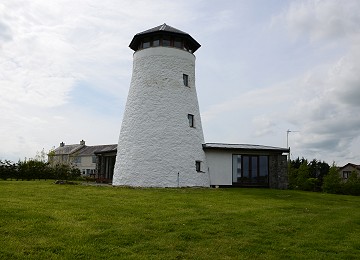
{"x": 352, "y": 185}
{"x": 311, "y": 184}
{"x": 7, "y": 169}
{"x": 332, "y": 181}
{"x": 37, "y": 169}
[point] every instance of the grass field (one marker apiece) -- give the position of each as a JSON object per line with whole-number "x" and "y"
{"x": 41, "y": 220}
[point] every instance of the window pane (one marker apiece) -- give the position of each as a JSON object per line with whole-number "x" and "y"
{"x": 263, "y": 166}
{"x": 156, "y": 42}
{"x": 246, "y": 167}
{"x": 254, "y": 168}
{"x": 186, "y": 79}
{"x": 178, "y": 43}
{"x": 77, "y": 159}
{"x": 236, "y": 167}
{"x": 166, "y": 42}
{"x": 263, "y": 169}
{"x": 198, "y": 166}
{"x": 146, "y": 45}
{"x": 191, "y": 120}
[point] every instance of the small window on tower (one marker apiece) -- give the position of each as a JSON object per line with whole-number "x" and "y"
{"x": 186, "y": 80}
{"x": 166, "y": 41}
{"x": 146, "y": 43}
{"x": 198, "y": 166}
{"x": 191, "y": 120}
{"x": 156, "y": 42}
{"x": 177, "y": 43}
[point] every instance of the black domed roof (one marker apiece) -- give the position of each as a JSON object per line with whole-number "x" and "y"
{"x": 164, "y": 30}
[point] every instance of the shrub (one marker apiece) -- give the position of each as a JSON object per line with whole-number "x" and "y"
{"x": 37, "y": 169}
{"x": 352, "y": 185}
{"x": 332, "y": 181}
{"x": 7, "y": 170}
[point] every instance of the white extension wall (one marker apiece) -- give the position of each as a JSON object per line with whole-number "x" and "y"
{"x": 157, "y": 147}
{"x": 220, "y": 167}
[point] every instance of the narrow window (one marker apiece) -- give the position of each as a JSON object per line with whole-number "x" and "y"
{"x": 191, "y": 120}
{"x": 156, "y": 42}
{"x": 166, "y": 41}
{"x": 146, "y": 43}
{"x": 177, "y": 43}
{"x": 186, "y": 80}
{"x": 93, "y": 159}
{"x": 346, "y": 174}
{"x": 198, "y": 166}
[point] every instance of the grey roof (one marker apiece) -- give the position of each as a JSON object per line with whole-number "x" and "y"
{"x": 67, "y": 149}
{"x": 83, "y": 150}
{"x": 91, "y": 150}
{"x": 356, "y": 166}
{"x": 164, "y": 27}
{"x": 244, "y": 147}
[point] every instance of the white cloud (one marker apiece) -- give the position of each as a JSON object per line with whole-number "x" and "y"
{"x": 323, "y": 20}
{"x": 326, "y": 113}
{"x": 49, "y": 48}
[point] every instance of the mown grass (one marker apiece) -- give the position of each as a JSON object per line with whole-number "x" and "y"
{"x": 41, "y": 220}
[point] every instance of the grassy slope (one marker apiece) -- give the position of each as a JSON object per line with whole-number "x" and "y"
{"x": 40, "y": 220}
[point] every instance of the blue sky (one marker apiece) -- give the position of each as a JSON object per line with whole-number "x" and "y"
{"x": 264, "y": 67}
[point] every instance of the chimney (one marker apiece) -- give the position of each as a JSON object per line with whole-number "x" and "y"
{"x": 82, "y": 142}
{"x": 62, "y": 144}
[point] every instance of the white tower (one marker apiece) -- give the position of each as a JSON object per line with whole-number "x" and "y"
{"x": 161, "y": 137}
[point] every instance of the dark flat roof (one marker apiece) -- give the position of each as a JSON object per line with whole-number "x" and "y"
{"x": 244, "y": 147}
{"x": 91, "y": 150}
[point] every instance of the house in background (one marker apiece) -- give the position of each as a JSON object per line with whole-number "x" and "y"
{"x": 66, "y": 154}
{"x": 349, "y": 168}
{"x": 96, "y": 160}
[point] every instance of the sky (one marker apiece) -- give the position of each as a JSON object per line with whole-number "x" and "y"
{"x": 264, "y": 67}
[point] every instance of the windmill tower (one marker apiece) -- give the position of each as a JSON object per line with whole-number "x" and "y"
{"x": 161, "y": 137}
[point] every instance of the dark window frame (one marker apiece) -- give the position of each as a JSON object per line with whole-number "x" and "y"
{"x": 346, "y": 174}
{"x": 186, "y": 80}
{"x": 198, "y": 166}
{"x": 172, "y": 40}
{"x": 191, "y": 119}
{"x": 250, "y": 177}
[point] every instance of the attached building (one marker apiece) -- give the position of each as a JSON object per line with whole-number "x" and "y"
{"x": 246, "y": 165}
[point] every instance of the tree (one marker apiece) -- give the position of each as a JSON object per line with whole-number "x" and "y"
{"x": 332, "y": 181}
{"x": 304, "y": 175}
{"x": 352, "y": 184}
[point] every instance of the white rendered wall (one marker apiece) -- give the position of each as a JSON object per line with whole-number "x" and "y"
{"x": 157, "y": 147}
{"x": 220, "y": 167}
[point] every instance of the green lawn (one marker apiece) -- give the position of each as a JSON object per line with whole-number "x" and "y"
{"x": 41, "y": 220}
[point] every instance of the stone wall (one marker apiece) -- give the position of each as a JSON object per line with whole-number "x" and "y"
{"x": 278, "y": 177}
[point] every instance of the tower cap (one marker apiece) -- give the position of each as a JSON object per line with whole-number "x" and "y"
{"x": 164, "y": 30}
